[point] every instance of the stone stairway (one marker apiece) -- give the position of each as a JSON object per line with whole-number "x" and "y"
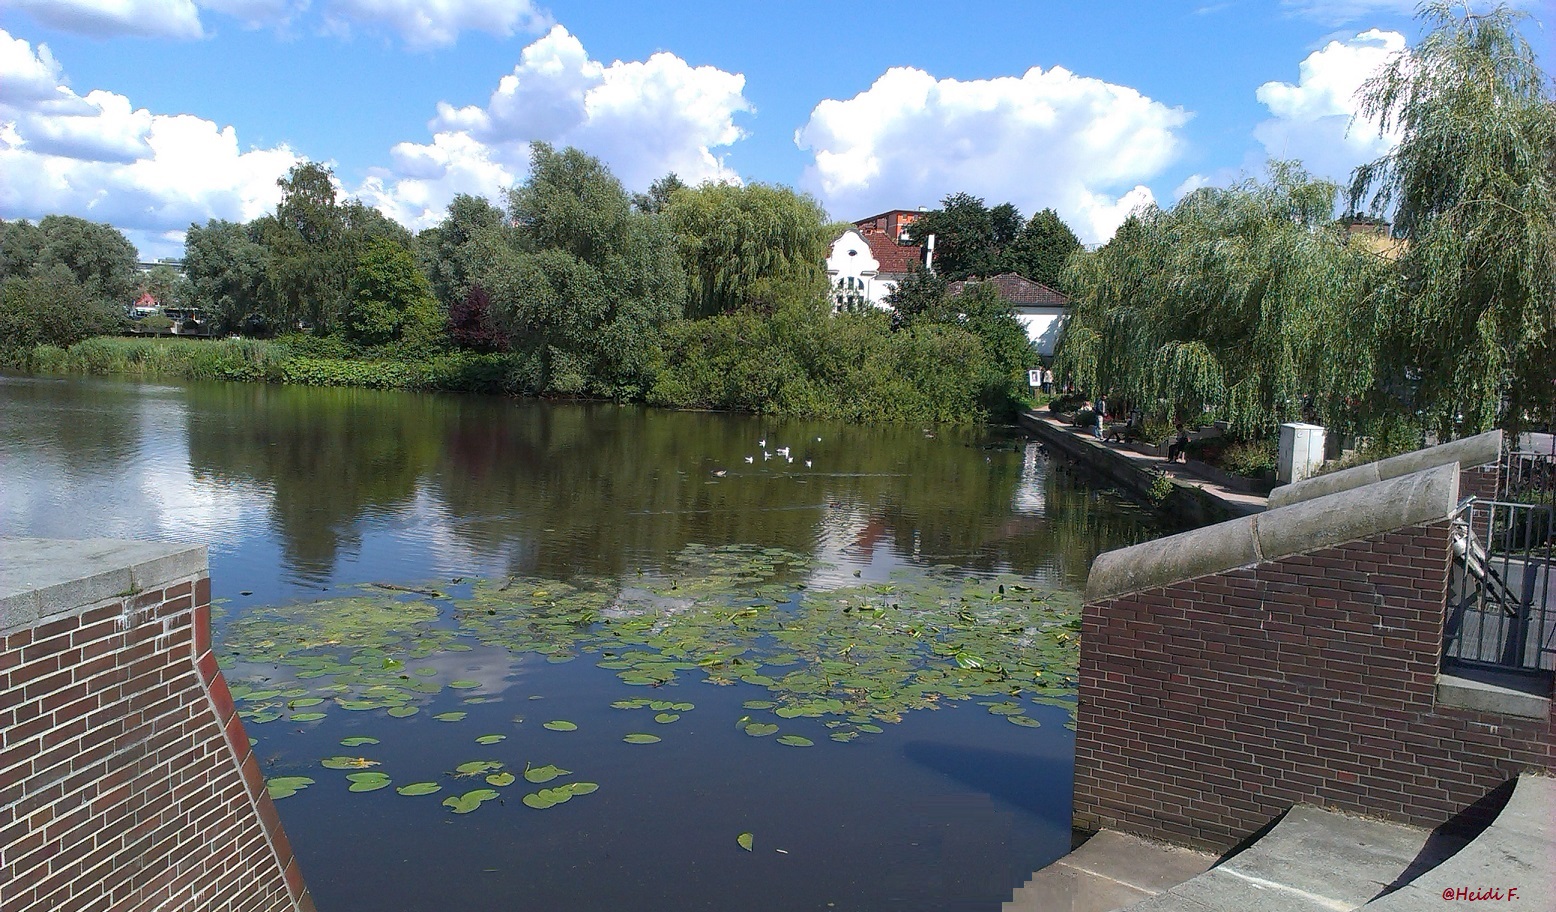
{"x": 1318, "y": 861}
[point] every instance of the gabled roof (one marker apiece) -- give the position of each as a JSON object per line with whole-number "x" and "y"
{"x": 1018, "y": 290}
{"x": 895, "y": 258}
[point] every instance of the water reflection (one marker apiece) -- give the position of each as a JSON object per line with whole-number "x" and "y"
{"x": 331, "y": 485}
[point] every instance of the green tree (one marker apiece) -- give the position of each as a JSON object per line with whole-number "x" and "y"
{"x": 1471, "y": 311}
{"x": 922, "y": 292}
{"x": 964, "y": 235}
{"x": 1042, "y": 249}
{"x": 657, "y": 199}
{"x": 50, "y": 307}
{"x": 98, "y": 255}
{"x": 226, "y": 268}
{"x": 392, "y": 303}
{"x": 21, "y": 243}
{"x": 444, "y": 253}
{"x": 1248, "y": 301}
{"x": 737, "y": 242}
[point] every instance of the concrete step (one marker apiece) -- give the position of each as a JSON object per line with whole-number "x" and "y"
{"x": 1516, "y": 853}
{"x": 1312, "y": 861}
{"x": 1110, "y": 871}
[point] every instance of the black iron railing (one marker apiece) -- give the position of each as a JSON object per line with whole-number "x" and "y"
{"x": 1501, "y": 601}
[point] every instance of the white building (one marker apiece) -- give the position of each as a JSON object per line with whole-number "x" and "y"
{"x": 868, "y": 260}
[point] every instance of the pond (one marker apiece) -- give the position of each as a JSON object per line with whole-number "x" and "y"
{"x": 522, "y": 655}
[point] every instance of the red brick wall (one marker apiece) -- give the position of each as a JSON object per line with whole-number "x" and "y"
{"x": 126, "y": 781}
{"x": 1210, "y": 706}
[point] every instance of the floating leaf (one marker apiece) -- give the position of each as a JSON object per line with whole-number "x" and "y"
{"x": 795, "y": 741}
{"x": 551, "y": 797}
{"x": 1023, "y": 721}
{"x": 641, "y": 738}
{"x": 469, "y": 801}
{"x": 357, "y": 741}
{"x": 561, "y": 725}
{"x": 425, "y": 672}
{"x": 760, "y": 729}
{"x": 400, "y": 712}
{"x": 307, "y": 717}
{"x": 844, "y": 737}
{"x": 346, "y": 763}
{"x": 419, "y": 788}
{"x": 367, "y": 782}
{"x": 358, "y": 705}
{"x": 464, "y": 684}
{"x": 477, "y": 767}
{"x": 287, "y": 786}
{"x": 629, "y": 704}
{"x": 683, "y": 707}
{"x": 746, "y": 841}
{"x": 660, "y": 705}
{"x": 491, "y": 739}
{"x": 666, "y": 718}
{"x": 261, "y": 718}
{"x": 872, "y": 729}
{"x": 501, "y": 779}
{"x": 759, "y": 704}
{"x": 538, "y": 774}
{"x": 454, "y": 716}
{"x": 300, "y": 702}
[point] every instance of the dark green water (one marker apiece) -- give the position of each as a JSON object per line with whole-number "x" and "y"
{"x": 307, "y": 494}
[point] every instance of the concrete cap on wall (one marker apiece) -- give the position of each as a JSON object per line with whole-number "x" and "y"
{"x": 42, "y": 579}
{"x": 1470, "y": 451}
{"x": 1383, "y": 506}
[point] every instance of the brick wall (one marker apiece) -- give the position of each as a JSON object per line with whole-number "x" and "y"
{"x": 126, "y": 780}
{"x": 1209, "y": 706}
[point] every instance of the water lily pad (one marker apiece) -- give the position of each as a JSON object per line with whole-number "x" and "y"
{"x": 666, "y": 718}
{"x": 357, "y": 741}
{"x": 746, "y": 841}
{"x": 1023, "y": 721}
{"x": 453, "y": 716}
{"x": 538, "y": 774}
{"x": 629, "y": 704}
{"x": 551, "y": 797}
{"x": 400, "y": 712}
{"x": 795, "y": 741}
{"x": 301, "y": 702}
{"x": 872, "y": 729}
{"x": 419, "y": 788}
{"x": 367, "y": 782}
{"x": 641, "y": 738}
{"x": 464, "y": 684}
{"x": 287, "y": 786}
{"x": 759, "y": 704}
{"x": 491, "y": 739}
{"x": 478, "y": 767}
{"x": 760, "y": 729}
{"x": 425, "y": 672}
{"x": 346, "y": 763}
{"x": 358, "y": 705}
{"x": 469, "y": 801}
{"x": 561, "y": 725}
{"x": 307, "y": 717}
{"x": 260, "y": 718}
{"x": 501, "y": 779}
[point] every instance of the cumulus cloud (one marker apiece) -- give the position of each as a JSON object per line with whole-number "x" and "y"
{"x": 1046, "y": 138}
{"x": 642, "y": 118}
{"x": 100, "y": 157}
{"x": 1314, "y": 119}
{"x": 419, "y": 24}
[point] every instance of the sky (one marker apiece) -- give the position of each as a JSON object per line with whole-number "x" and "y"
{"x": 152, "y": 115}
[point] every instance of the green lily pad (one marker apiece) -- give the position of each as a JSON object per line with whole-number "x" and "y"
{"x": 260, "y": 718}
{"x": 872, "y": 729}
{"x": 357, "y": 741}
{"x": 796, "y": 741}
{"x": 641, "y": 738}
{"x": 307, "y": 717}
{"x": 551, "y": 797}
{"x": 469, "y": 801}
{"x": 500, "y": 779}
{"x": 425, "y": 672}
{"x": 1023, "y": 721}
{"x": 400, "y": 712}
{"x": 347, "y": 763}
{"x": 301, "y": 702}
{"x": 746, "y": 841}
{"x": 358, "y": 705}
{"x": 367, "y": 782}
{"x": 453, "y": 716}
{"x": 464, "y": 684}
{"x": 419, "y": 788}
{"x": 759, "y": 704}
{"x": 478, "y": 767}
{"x": 760, "y": 729}
{"x": 539, "y": 774}
{"x": 287, "y": 786}
{"x": 629, "y": 704}
{"x": 491, "y": 739}
{"x": 561, "y": 725}
{"x": 666, "y": 718}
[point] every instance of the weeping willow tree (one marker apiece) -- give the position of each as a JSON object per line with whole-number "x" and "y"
{"x": 1470, "y": 314}
{"x": 744, "y": 244}
{"x": 1249, "y": 302}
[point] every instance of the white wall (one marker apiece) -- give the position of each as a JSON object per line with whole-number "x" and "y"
{"x": 1043, "y": 326}
{"x": 850, "y": 259}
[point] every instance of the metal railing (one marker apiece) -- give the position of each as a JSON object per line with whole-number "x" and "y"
{"x": 1501, "y": 602}
{"x": 1528, "y": 470}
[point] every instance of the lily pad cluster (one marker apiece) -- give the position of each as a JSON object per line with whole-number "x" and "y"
{"x": 854, "y": 657}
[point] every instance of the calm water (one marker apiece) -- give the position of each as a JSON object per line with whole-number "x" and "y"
{"x": 304, "y": 494}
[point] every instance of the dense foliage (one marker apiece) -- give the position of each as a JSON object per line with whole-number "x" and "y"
{"x": 972, "y": 240}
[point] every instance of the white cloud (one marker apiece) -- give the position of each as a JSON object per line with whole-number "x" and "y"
{"x": 104, "y": 18}
{"x": 642, "y": 118}
{"x": 1313, "y": 120}
{"x": 423, "y": 24}
{"x": 1046, "y": 138}
{"x": 99, "y": 157}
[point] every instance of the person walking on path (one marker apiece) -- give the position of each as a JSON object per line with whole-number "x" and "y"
{"x": 1180, "y": 446}
{"x": 1102, "y": 416}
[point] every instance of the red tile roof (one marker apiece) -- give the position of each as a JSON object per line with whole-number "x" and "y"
{"x": 1016, "y": 289}
{"x": 895, "y": 258}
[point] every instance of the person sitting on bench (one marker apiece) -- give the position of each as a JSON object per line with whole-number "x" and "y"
{"x": 1179, "y": 447}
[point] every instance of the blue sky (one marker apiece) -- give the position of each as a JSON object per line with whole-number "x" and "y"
{"x": 152, "y": 114}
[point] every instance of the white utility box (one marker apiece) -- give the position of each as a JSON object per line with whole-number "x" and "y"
{"x": 1301, "y": 451}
